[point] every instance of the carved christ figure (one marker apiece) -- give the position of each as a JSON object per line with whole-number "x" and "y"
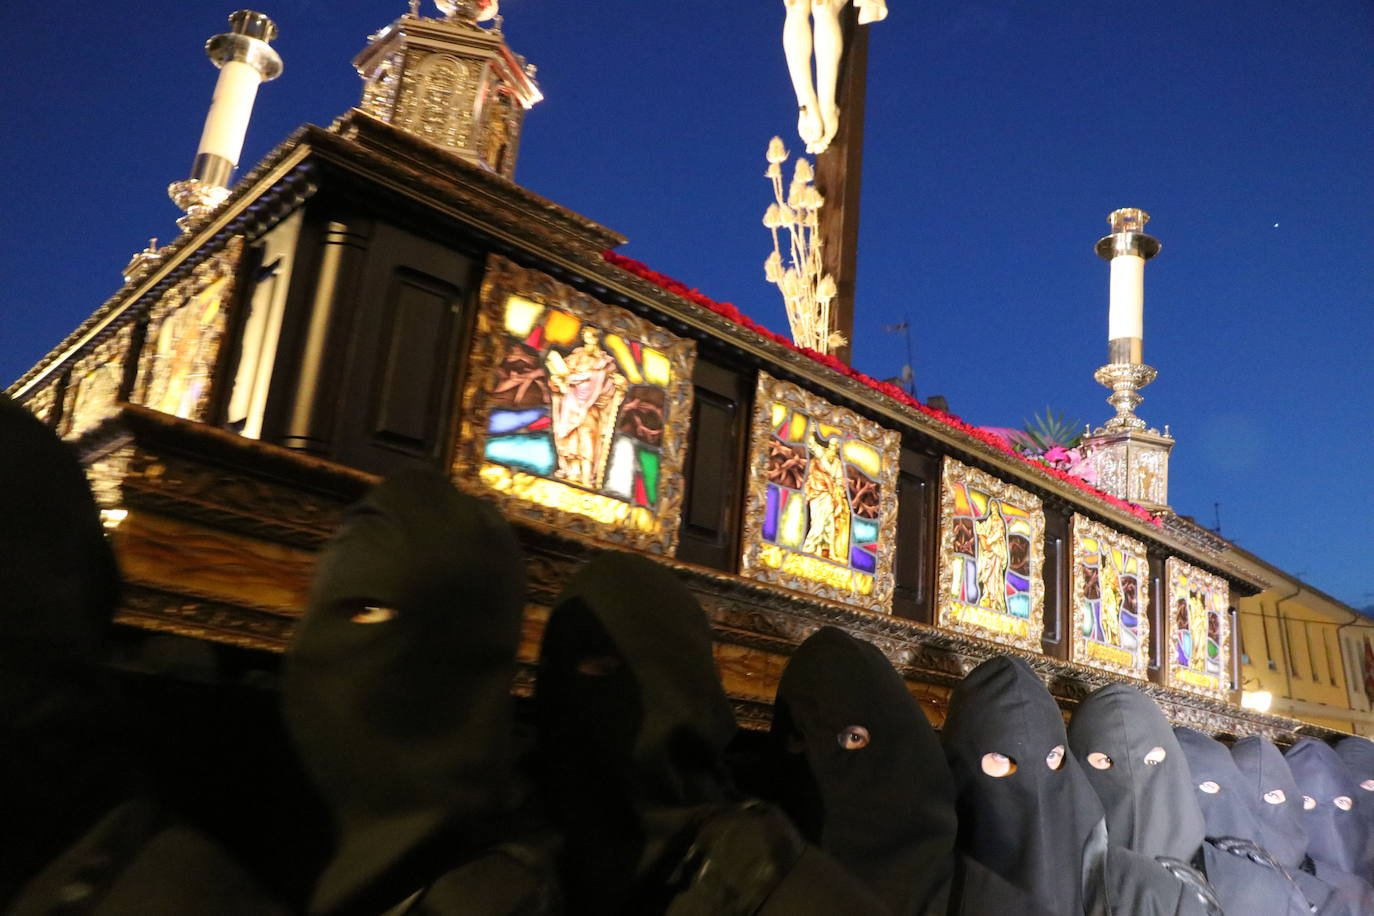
{"x": 586, "y": 388}
{"x": 815, "y": 25}
{"x": 827, "y": 502}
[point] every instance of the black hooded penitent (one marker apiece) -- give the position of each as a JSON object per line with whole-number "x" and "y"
{"x": 1335, "y": 830}
{"x": 1133, "y": 760}
{"x": 1278, "y": 808}
{"x": 1023, "y": 835}
{"x": 397, "y": 688}
{"x": 1275, "y": 798}
{"x": 1154, "y": 825}
{"x": 1246, "y": 877}
{"x": 1357, "y": 753}
{"x": 61, "y": 763}
{"x": 633, "y": 724}
{"x": 863, "y": 771}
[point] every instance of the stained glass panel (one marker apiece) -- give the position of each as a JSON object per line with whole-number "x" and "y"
{"x": 1196, "y": 611}
{"x": 992, "y": 537}
{"x": 576, "y": 411}
{"x": 1111, "y": 580}
{"x": 822, "y": 509}
{"x": 185, "y": 327}
{"x": 94, "y": 383}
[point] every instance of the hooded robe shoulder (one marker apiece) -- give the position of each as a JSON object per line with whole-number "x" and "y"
{"x": 1247, "y": 878}
{"x": 1134, "y": 763}
{"x": 633, "y": 725}
{"x": 862, "y": 771}
{"x": 397, "y": 695}
{"x": 77, "y": 832}
{"x": 1030, "y": 836}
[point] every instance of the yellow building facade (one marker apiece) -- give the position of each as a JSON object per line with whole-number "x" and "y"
{"x": 1310, "y": 653}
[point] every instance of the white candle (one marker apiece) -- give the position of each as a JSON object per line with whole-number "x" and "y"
{"x": 230, "y": 110}
{"x": 1126, "y": 316}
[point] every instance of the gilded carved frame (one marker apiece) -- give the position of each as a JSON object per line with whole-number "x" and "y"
{"x": 970, "y": 619}
{"x": 884, "y": 441}
{"x": 516, "y": 491}
{"x": 1093, "y": 653}
{"x": 1180, "y": 676}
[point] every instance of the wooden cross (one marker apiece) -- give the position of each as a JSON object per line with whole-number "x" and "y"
{"x": 838, "y": 173}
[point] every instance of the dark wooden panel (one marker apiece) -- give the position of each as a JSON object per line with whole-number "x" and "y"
{"x": 1054, "y": 639}
{"x": 913, "y": 562}
{"x": 416, "y": 337}
{"x": 1157, "y": 621}
{"x": 715, "y": 466}
{"x": 403, "y": 354}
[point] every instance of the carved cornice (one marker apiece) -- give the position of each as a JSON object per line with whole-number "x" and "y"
{"x": 442, "y": 179}
{"x": 141, "y": 458}
{"x": 164, "y": 611}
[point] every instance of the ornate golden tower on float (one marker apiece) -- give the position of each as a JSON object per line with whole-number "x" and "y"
{"x": 451, "y": 81}
{"x": 1131, "y": 462}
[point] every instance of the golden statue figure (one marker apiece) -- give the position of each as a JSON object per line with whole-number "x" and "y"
{"x": 1112, "y": 596}
{"x": 826, "y": 493}
{"x": 1197, "y": 624}
{"x": 992, "y": 559}
{"x": 586, "y": 389}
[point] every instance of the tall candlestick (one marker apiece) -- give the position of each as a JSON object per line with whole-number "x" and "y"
{"x": 245, "y": 61}
{"x": 1127, "y": 248}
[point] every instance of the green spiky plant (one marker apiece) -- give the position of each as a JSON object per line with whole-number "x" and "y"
{"x": 1045, "y": 432}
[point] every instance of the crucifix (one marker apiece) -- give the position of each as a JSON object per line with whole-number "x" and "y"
{"x": 830, "y": 121}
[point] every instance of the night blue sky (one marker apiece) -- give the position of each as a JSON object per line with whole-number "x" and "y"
{"x": 999, "y": 135}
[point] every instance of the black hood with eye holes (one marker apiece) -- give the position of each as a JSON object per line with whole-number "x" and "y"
{"x": 885, "y": 811}
{"x": 1032, "y": 826}
{"x": 1357, "y": 753}
{"x": 1151, "y": 809}
{"x": 404, "y": 724}
{"x": 1333, "y": 835}
{"x": 1246, "y": 878}
{"x": 1230, "y": 811}
{"x": 633, "y": 724}
{"x": 1264, "y": 771}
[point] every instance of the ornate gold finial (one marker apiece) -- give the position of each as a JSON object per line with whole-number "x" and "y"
{"x": 806, "y": 289}
{"x": 451, "y": 82}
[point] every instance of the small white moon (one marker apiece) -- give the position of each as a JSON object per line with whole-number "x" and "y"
{"x": 1276, "y": 225}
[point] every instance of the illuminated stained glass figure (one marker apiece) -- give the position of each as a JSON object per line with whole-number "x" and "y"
{"x": 821, "y": 512}
{"x": 1183, "y": 639}
{"x": 587, "y": 390}
{"x": 993, "y": 558}
{"x": 1197, "y": 640}
{"x": 1109, "y": 588}
{"x": 827, "y": 502}
{"x": 1197, "y": 624}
